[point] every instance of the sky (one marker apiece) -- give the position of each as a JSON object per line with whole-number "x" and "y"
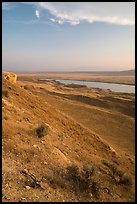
{"x": 68, "y": 36}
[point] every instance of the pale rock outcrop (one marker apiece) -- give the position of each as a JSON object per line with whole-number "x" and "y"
{"x": 9, "y": 76}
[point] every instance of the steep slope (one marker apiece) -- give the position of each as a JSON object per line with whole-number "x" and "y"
{"x": 35, "y": 169}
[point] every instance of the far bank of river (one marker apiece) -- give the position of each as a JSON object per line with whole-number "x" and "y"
{"x": 117, "y": 87}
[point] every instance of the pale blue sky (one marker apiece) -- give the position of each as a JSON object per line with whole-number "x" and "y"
{"x": 39, "y": 36}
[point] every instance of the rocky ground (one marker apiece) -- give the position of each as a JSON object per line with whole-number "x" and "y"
{"x": 63, "y": 143}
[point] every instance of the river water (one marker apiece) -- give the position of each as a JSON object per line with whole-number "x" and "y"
{"x": 102, "y": 85}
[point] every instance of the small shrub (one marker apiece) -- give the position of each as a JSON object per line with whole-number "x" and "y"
{"x": 32, "y": 106}
{"x": 27, "y": 87}
{"x": 8, "y": 78}
{"x": 42, "y": 130}
{"x": 105, "y": 162}
{"x": 114, "y": 169}
{"x": 117, "y": 174}
{"x": 75, "y": 86}
{"x": 88, "y": 184}
{"x": 126, "y": 180}
{"x": 95, "y": 187}
{"x": 111, "y": 166}
{"x": 88, "y": 171}
{"x": 5, "y": 93}
{"x": 82, "y": 181}
{"x": 57, "y": 182}
{"x": 120, "y": 173}
{"x": 6, "y": 117}
{"x": 73, "y": 172}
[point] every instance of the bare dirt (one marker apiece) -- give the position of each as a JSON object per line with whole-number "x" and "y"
{"x": 87, "y": 129}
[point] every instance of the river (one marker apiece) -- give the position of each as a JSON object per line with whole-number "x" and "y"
{"x": 102, "y": 85}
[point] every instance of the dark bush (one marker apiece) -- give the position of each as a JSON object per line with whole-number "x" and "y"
{"x": 73, "y": 172}
{"x": 126, "y": 180}
{"x": 83, "y": 181}
{"x": 95, "y": 187}
{"x": 5, "y": 93}
{"x": 6, "y": 117}
{"x": 117, "y": 174}
{"x": 112, "y": 167}
{"x": 28, "y": 87}
{"x": 120, "y": 173}
{"x": 42, "y": 130}
{"x": 88, "y": 171}
{"x": 75, "y": 86}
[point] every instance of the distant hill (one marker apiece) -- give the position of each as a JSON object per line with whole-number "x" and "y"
{"x": 119, "y": 73}
{"x": 128, "y": 72}
{"x": 113, "y": 73}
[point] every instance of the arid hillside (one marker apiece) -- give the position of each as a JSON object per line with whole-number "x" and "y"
{"x": 62, "y": 143}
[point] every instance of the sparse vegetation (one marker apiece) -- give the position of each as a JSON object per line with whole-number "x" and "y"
{"x": 27, "y": 87}
{"x": 88, "y": 171}
{"x": 5, "y": 93}
{"x": 6, "y": 117}
{"x": 95, "y": 187}
{"x": 73, "y": 172}
{"x": 118, "y": 175}
{"x": 79, "y": 181}
{"x": 75, "y": 86}
{"x": 57, "y": 182}
{"x": 42, "y": 130}
{"x": 83, "y": 180}
{"x": 126, "y": 180}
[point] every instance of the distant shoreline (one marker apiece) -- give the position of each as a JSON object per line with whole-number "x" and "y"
{"x": 92, "y": 81}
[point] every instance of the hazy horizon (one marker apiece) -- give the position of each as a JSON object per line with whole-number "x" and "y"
{"x": 68, "y": 36}
{"x": 65, "y": 71}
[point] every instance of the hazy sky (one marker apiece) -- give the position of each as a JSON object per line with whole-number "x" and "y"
{"x": 46, "y": 36}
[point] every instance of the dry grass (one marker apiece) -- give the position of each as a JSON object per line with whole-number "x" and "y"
{"x": 78, "y": 143}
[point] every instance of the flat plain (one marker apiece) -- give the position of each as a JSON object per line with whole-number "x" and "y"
{"x": 127, "y": 77}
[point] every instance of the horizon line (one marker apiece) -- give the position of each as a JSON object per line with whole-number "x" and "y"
{"x": 48, "y": 71}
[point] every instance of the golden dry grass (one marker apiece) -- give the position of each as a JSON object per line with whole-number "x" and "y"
{"x": 86, "y": 126}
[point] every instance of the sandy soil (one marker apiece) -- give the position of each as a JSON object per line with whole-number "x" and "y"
{"x": 87, "y": 127}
